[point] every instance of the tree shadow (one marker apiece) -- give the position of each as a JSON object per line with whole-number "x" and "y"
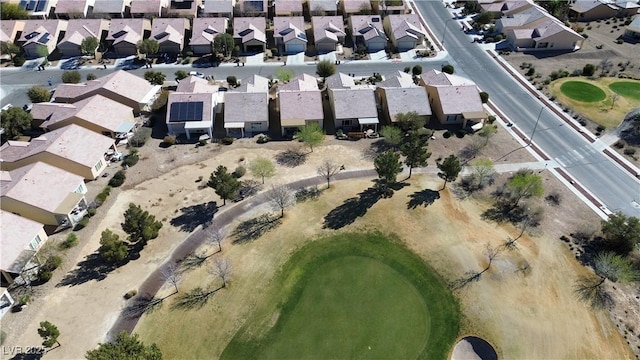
{"x": 143, "y": 304}
{"x": 195, "y": 298}
{"x": 376, "y": 148}
{"x": 291, "y": 158}
{"x": 504, "y": 211}
{"x": 26, "y": 356}
{"x": 352, "y": 209}
{"x": 254, "y": 228}
{"x": 192, "y": 261}
{"x": 424, "y": 198}
{"x": 195, "y": 215}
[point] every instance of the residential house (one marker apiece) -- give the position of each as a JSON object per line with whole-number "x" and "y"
{"x": 252, "y": 8}
{"x": 590, "y": 10}
{"x": 40, "y": 37}
{"x": 20, "y": 239}
{"x": 110, "y": 9}
{"x": 219, "y": 8}
{"x": 10, "y": 30}
{"x": 183, "y": 8}
{"x": 633, "y": 30}
{"x": 405, "y": 31}
{"x": 6, "y": 301}
{"x": 323, "y": 7}
{"x": 289, "y": 34}
{"x": 390, "y": 7}
{"x": 246, "y": 109}
{"x": 39, "y": 9}
{"x": 250, "y": 33}
{"x": 120, "y": 86}
{"x": 503, "y": 8}
{"x": 525, "y": 19}
{"x": 453, "y": 99}
{"x": 191, "y": 109}
{"x": 149, "y": 8}
{"x": 169, "y": 33}
{"x": 44, "y": 193}
{"x": 353, "y": 7}
{"x": 548, "y": 35}
{"x": 399, "y": 94}
{"x": 73, "y": 9}
{"x": 124, "y": 35}
{"x": 288, "y": 8}
{"x": 72, "y": 148}
{"x": 367, "y": 30}
{"x": 205, "y": 31}
{"x": 328, "y": 32}
{"x": 353, "y": 106}
{"x": 77, "y": 31}
{"x": 97, "y": 113}
{"x": 300, "y": 104}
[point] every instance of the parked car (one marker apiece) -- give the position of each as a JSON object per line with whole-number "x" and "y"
{"x": 196, "y": 73}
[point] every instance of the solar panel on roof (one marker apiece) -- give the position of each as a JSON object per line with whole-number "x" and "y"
{"x": 31, "y": 5}
{"x": 45, "y": 38}
{"x": 375, "y": 20}
{"x": 119, "y": 34}
{"x": 31, "y": 35}
{"x": 245, "y": 32}
{"x": 186, "y": 111}
{"x": 286, "y": 31}
{"x": 41, "y": 5}
{"x": 302, "y": 36}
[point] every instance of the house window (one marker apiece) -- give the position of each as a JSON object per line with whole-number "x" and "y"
{"x": 256, "y": 125}
{"x": 347, "y": 122}
{"x": 452, "y": 118}
{"x": 33, "y": 245}
{"x": 98, "y": 165}
{"x": 80, "y": 189}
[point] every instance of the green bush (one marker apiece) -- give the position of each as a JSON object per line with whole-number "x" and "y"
{"x": 53, "y": 262}
{"x": 239, "y": 172}
{"x": 91, "y": 212}
{"x": 263, "y": 139}
{"x": 91, "y": 76}
{"x": 130, "y": 294}
{"x": 232, "y": 81}
{"x": 131, "y": 159}
{"x": 140, "y": 137}
{"x": 81, "y": 224}
{"x": 169, "y": 140}
{"x": 460, "y": 134}
{"x": 448, "y": 69}
{"x": 447, "y": 134}
{"x": 44, "y": 276}
{"x": 531, "y": 71}
{"x": 491, "y": 119}
{"x": 181, "y": 74}
{"x": 18, "y": 61}
{"x": 117, "y": 179}
{"x": 620, "y": 41}
{"x": 227, "y": 140}
{"x": 69, "y": 242}
{"x": 71, "y": 77}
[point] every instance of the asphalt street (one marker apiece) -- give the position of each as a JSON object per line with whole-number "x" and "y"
{"x": 616, "y": 188}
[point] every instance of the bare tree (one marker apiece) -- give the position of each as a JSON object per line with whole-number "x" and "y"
{"x": 222, "y": 269}
{"x": 530, "y": 219}
{"x": 280, "y": 197}
{"x": 171, "y": 274}
{"x": 215, "y": 236}
{"x": 473, "y": 276}
{"x": 328, "y": 169}
{"x": 614, "y": 98}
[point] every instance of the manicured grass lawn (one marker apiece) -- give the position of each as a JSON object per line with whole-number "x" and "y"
{"x": 582, "y": 91}
{"x": 626, "y": 88}
{"x": 352, "y": 296}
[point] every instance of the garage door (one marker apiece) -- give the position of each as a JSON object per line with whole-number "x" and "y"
{"x": 325, "y": 47}
{"x": 295, "y": 48}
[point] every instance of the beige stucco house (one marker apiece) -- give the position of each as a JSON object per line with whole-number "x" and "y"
{"x": 300, "y": 103}
{"x": 44, "y": 193}
{"x": 405, "y": 31}
{"x": 219, "y": 8}
{"x": 149, "y": 8}
{"x": 72, "y": 148}
{"x": 246, "y": 109}
{"x": 124, "y": 35}
{"x": 183, "y": 8}
{"x": 204, "y": 33}
{"x": 289, "y": 34}
{"x": 250, "y": 33}
{"x": 323, "y": 7}
{"x": 353, "y": 7}
{"x": 169, "y": 33}
{"x": 120, "y": 86}
{"x": 40, "y": 37}
{"x": 39, "y": 9}
{"x": 633, "y": 30}
{"x": 453, "y": 99}
{"x": 399, "y": 94}
{"x": 368, "y": 30}
{"x": 110, "y": 9}
{"x": 353, "y": 106}
{"x": 77, "y": 31}
{"x": 328, "y": 32}
{"x": 73, "y": 9}
{"x": 20, "y": 240}
{"x": 590, "y": 10}
{"x": 501, "y": 8}
{"x": 191, "y": 109}
{"x": 288, "y": 8}
{"x": 9, "y": 30}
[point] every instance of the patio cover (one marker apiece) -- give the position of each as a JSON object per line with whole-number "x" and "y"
{"x": 474, "y": 115}
{"x": 234, "y": 125}
{"x": 293, "y": 122}
{"x": 368, "y": 121}
{"x": 198, "y": 125}
{"x": 125, "y": 127}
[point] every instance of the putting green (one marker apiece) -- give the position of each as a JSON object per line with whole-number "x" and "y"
{"x": 627, "y": 89}
{"x": 352, "y": 296}
{"x": 582, "y": 91}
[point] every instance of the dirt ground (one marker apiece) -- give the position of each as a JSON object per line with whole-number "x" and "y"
{"x": 164, "y": 182}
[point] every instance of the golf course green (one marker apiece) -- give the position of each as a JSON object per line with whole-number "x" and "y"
{"x": 628, "y": 89}
{"x": 351, "y": 296}
{"x": 582, "y": 91}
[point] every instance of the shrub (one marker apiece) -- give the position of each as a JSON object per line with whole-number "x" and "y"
{"x": 580, "y": 29}
{"x": 181, "y": 74}
{"x": 489, "y": 39}
{"x": 189, "y": 53}
{"x": 169, "y": 140}
{"x": 160, "y": 101}
{"x": 227, "y": 140}
{"x": 460, "y": 134}
{"x": 140, "y": 137}
{"x": 239, "y": 172}
{"x": 263, "y": 139}
{"x": 232, "y": 81}
{"x": 186, "y": 61}
{"x": 131, "y": 159}
{"x": 491, "y": 119}
{"x": 38, "y": 94}
{"x": 447, "y": 134}
{"x": 69, "y": 242}
{"x": 416, "y": 70}
{"x": 619, "y": 41}
{"x": 91, "y": 212}
{"x": 407, "y": 69}
{"x": 117, "y": 179}
{"x": 619, "y": 144}
{"x": 81, "y": 224}
{"x": 576, "y": 72}
{"x": 449, "y": 69}
{"x": 484, "y": 97}
{"x": 531, "y": 71}
{"x": 424, "y": 132}
{"x": 311, "y": 193}
{"x": 71, "y": 77}
{"x": 583, "y": 122}
{"x": 18, "y": 61}
{"x": 44, "y": 276}
{"x": 629, "y": 151}
{"x": 588, "y": 70}
{"x": 498, "y": 38}
{"x": 53, "y": 262}
{"x": 130, "y": 294}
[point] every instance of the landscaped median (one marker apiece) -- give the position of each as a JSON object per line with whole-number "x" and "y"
{"x": 351, "y": 295}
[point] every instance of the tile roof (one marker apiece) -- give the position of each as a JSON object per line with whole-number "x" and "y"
{"x": 110, "y": 6}
{"x": 287, "y": 7}
{"x": 250, "y": 28}
{"x": 459, "y": 99}
{"x": 323, "y": 5}
{"x": 302, "y": 82}
{"x": 354, "y": 103}
{"x": 99, "y": 110}
{"x": 523, "y": 18}
{"x": 406, "y": 25}
{"x": 355, "y": 6}
{"x": 79, "y": 29}
{"x": 549, "y": 28}
{"x": 206, "y": 29}
{"x": 148, "y": 6}
{"x": 194, "y": 84}
{"x": 397, "y": 79}
{"x": 241, "y": 107}
{"x": 9, "y": 29}
{"x": 169, "y": 29}
{"x": 219, "y": 6}
{"x": 181, "y": 97}
{"x": 289, "y": 27}
{"x": 17, "y": 233}
{"x": 439, "y": 78}
{"x": 72, "y": 142}
{"x": 127, "y": 30}
{"x": 254, "y": 83}
{"x": 71, "y": 7}
{"x": 43, "y": 32}
{"x": 367, "y": 26}
{"x": 40, "y": 185}
{"x": 340, "y": 81}
{"x": 405, "y": 99}
{"x": 120, "y": 82}
{"x": 296, "y": 105}
{"x": 327, "y": 27}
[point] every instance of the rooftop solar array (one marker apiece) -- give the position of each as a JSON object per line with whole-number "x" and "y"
{"x": 186, "y": 111}
{"x": 33, "y": 5}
